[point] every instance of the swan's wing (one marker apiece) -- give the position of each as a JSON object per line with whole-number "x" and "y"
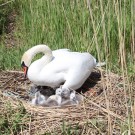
{"x": 60, "y": 53}
{"x": 65, "y": 49}
{"x": 62, "y": 50}
{"x": 100, "y": 64}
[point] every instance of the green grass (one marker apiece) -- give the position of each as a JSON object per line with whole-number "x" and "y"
{"x": 4, "y": 11}
{"x": 102, "y": 28}
{"x": 12, "y": 121}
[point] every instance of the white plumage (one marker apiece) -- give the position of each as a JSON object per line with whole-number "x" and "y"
{"x": 59, "y": 66}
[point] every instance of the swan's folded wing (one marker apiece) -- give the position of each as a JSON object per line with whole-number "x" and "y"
{"x": 60, "y": 53}
{"x": 62, "y": 50}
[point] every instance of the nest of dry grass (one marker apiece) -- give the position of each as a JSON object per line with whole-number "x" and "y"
{"x": 102, "y": 111}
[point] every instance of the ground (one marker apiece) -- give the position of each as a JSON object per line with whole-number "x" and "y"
{"x": 103, "y": 111}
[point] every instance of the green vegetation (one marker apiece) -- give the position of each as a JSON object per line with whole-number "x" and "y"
{"x": 103, "y": 28}
{"x": 12, "y": 121}
{"x": 4, "y": 11}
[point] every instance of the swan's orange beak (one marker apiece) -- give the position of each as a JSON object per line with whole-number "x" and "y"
{"x": 25, "y": 69}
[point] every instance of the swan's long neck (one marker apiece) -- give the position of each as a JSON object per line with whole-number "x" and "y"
{"x": 40, "y": 49}
{"x": 36, "y": 67}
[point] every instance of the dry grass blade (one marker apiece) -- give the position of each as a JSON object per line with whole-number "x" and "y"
{"x": 105, "y": 110}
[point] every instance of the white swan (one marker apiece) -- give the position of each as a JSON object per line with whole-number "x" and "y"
{"x": 56, "y": 67}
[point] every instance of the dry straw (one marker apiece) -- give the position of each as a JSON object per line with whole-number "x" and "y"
{"x": 93, "y": 107}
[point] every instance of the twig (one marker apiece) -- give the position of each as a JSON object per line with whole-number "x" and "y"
{"x": 13, "y": 71}
{"x": 107, "y": 111}
{"x": 6, "y": 3}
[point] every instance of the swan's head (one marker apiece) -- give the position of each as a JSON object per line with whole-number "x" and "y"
{"x": 25, "y": 63}
{"x": 30, "y": 53}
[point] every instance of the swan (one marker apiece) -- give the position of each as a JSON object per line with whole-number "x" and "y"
{"x": 57, "y": 67}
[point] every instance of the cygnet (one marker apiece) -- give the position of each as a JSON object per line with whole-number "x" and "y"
{"x": 39, "y": 99}
{"x": 71, "y": 101}
{"x": 54, "y": 100}
{"x": 65, "y": 93}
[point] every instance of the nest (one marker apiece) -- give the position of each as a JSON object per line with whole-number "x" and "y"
{"x": 102, "y": 101}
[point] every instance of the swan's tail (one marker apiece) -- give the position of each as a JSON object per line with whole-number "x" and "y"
{"x": 100, "y": 64}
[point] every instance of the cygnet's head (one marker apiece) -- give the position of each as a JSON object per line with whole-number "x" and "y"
{"x": 65, "y": 93}
{"x": 72, "y": 96}
{"x": 58, "y": 91}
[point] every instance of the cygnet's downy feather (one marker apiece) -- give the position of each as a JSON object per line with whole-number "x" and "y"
{"x": 54, "y": 100}
{"x": 39, "y": 99}
{"x": 71, "y": 101}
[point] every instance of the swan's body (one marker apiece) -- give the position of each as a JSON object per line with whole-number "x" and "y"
{"x": 59, "y": 66}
